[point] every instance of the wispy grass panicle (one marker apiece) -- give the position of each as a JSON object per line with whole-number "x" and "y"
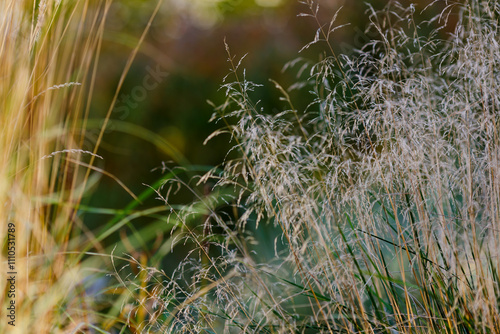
{"x": 376, "y": 209}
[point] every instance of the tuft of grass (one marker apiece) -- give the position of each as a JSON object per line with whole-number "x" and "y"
{"x": 47, "y": 52}
{"x": 49, "y": 62}
{"x": 382, "y": 197}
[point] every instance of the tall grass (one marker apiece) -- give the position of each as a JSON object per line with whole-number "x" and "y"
{"x": 385, "y": 191}
{"x": 49, "y": 62}
{"x": 47, "y": 52}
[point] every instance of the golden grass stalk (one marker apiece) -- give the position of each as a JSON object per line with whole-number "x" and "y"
{"x": 48, "y": 49}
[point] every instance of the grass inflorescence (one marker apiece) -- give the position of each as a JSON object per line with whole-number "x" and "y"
{"x": 376, "y": 209}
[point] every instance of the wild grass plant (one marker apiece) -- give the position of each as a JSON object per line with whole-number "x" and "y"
{"x": 383, "y": 193}
{"x": 45, "y": 77}
{"x": 49, "y": 53}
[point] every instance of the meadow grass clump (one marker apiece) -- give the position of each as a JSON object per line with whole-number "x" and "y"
{"x": 49, "y": 63}
{"x": 47, "y": 50}
{"x": 382, "y": 196}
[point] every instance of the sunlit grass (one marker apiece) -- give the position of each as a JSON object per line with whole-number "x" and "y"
{"x": 376, "y": 209}
{"x": 48, "y": 49}
{"x": 49, "y": 52}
